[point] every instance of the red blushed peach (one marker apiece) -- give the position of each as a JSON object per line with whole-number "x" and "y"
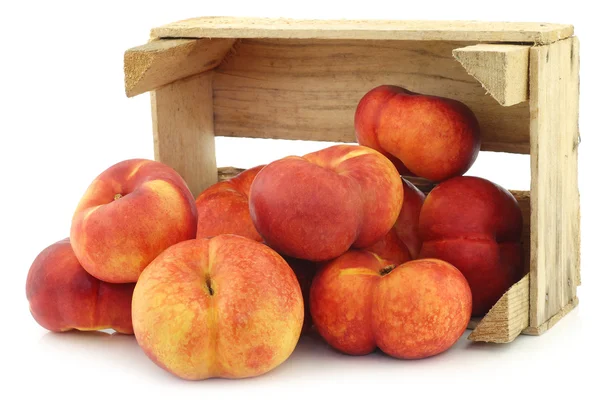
{"x": 476, "y": 226}
{"x": 63, "y": 296}
{"x": 429, "y": 136}
{"x": 415, "y": 310}
{"x": 129, "y": 214}
{"x": 222, "y": 307}
{"x": 315, "y": 207}
{"x": 223, "y": 207}
{"x": 402, "y": 242}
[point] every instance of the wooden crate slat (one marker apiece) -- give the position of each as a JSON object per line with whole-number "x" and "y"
{"x": 554, "y": 100}
{"x": 502, "y": 69}
{"x": 182, "y": 120}
{"x": 308, "y": 90}
{"x": 538, "y": 330}
{"x": 507, "y": 318}
{"x": 160, "y": 62}
{"x": 231, "y": 27}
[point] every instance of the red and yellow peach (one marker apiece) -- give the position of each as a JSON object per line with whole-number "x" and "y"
{"x": 129, "y": 214}
{"x": 429, "y": 136}
{"x": 415, "y": 310}
{"x": 222, "y": 307}
{"x": 63, "y": 296}
{"x": 315, "y": 207}
{"x": 223, "y": 207}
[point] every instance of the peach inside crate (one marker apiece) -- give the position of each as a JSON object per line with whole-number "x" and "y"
{"x": 300, "y": 79}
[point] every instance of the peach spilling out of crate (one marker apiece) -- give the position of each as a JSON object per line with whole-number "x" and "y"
{"x": 514, "y": 88}
{"x": 291, "y": 79}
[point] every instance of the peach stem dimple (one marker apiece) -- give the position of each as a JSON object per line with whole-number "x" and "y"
{"x": 118, "y": 196}
{"x": 387, "y": 269}
{"x": 209, "y": 286}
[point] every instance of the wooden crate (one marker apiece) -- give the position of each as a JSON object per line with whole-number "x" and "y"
{"x": 293, "y": 79}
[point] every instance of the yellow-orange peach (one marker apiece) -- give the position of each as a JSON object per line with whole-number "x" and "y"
{"x": 223, "y": 207}
{"x": 222, "y": 307}
{"x": 129, "y": 214}
{"x": 63, "y": 296}
{"x": 415, "y": 310}
{"x": 315, "y": 207}
{"x": 402, "y": 242}
{"x": 424, "y": 135}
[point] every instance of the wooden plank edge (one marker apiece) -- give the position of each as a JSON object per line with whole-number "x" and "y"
{"x": 284, "y": 28}
{"x": 163, "y": 61}
{"x": 507, "y": 318}
{"x": 501, "y": 69}
{"x": 536, "y": 331}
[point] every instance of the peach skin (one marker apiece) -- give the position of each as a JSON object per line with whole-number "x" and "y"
{"x": 315, "y": 207}
{"x": 129, "y": 214}
{"x": 429, "y": 136}
{"x": 63, "y": 296}
{"x": 476, "y": 226}
{"x": 415, "y": 310}
{"x": 225, "y": 307}
{"x": 402, "y": 242}
{"x": 223, "y": 207}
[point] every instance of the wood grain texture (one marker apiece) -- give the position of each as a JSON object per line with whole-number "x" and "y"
{"x": 309, "y": 89}
{"x": 502, "y": 69}
{"x": 160, "y": 62}
{"x": 182, "y": 119}
{"x": 231, "y": 27}
{"x": 507, "y": 318}
{"x": 553, "y": 320}
{"x": 555, "y": 232}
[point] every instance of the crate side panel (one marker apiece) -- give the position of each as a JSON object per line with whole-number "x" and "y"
{"x": 309, "y": 89}
{"x": 240, "y": 27}
{"x": 554, "y": 186}
{"x": 182, "y": 120}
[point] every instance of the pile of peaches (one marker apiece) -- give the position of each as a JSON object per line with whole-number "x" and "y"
{"x": 336, "y": 242}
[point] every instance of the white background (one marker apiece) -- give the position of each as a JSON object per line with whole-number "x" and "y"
{"x": 64, "y": 118}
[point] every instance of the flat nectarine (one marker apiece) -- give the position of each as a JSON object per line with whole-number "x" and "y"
{"x": 418, "y": 309}
{"x": 63, "y": 296}
{"x": 222, "y": 307}
{"x": 315, "y": 207}
{"x": 429, "y": 136}
{"x": 129, "y": 214}
{"x": 476, "y": 226}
